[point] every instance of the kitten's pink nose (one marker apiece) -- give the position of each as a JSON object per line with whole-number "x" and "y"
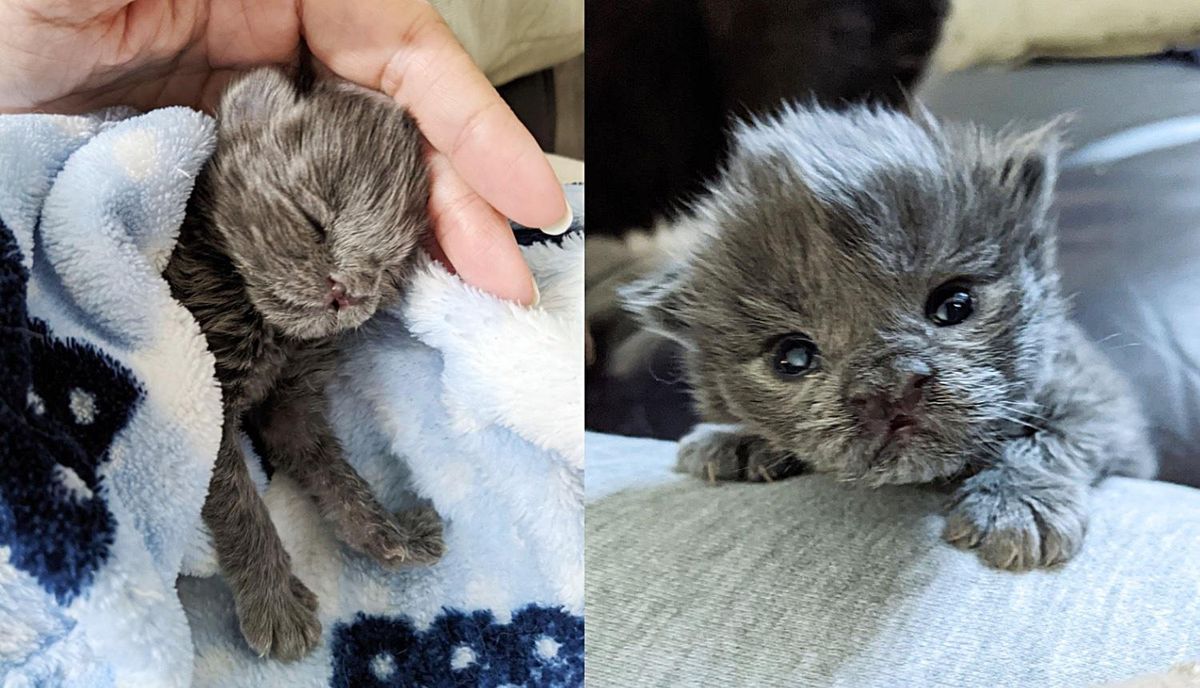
{"x": 883, "y": 412}
{"x": 338, "y": 297}
{"x": 912, "y": 393}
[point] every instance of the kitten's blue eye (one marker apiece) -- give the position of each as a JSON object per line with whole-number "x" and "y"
{"x": 794, "y": 355}
{"x": 949, "y": 304}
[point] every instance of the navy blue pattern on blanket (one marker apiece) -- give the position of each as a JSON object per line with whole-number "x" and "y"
{"x": 541, "y": 647}
{"x": 526, "y": 236}
{"x": 61, "y": 403}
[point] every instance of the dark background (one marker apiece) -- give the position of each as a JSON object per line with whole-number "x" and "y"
{"x": 664, "y": 77}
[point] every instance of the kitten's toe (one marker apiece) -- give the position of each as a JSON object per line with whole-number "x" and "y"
{"x": 769, "y": 466}
{"x": 1012, "y": 547}
{"x": 407, "y": 538}
{"x": 1061, "y": 543}
{"x": 424, "y": 530}
{"x": 1015, "y": 531}
{"x": 714, "y": 452}
{"x": 961, "y": 532}
{"x": 702, "y": 453}
{"x": 281, "y": 624}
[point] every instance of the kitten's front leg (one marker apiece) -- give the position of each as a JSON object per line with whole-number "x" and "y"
{"x": 1027, "y": 510}
{"x": 277, "y": 613}
{"x": 726, "y": 452}
{"x": 299, "y": 440}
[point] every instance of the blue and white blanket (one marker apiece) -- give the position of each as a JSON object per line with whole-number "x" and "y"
{"x": 110, "y": 420}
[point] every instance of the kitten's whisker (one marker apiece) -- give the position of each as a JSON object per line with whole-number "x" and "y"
{"x": 1018, "y": 422}
{"x": 1017, "y": 407}
{"x": 1123, "y": 346}
{"x": 1025, "y": 414}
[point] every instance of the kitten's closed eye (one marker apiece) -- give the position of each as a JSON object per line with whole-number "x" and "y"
{"x": 317, "y": 227}
{"x": 793, "y": 355}
{"x": 949, "y": 304}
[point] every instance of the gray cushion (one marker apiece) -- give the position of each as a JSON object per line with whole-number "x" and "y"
{"x": 807, "y": 582}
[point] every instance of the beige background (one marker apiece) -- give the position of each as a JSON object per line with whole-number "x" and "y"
{"x": 1000, "y": 31}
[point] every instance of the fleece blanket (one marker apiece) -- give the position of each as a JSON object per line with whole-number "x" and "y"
{"x": 110, "y": 421}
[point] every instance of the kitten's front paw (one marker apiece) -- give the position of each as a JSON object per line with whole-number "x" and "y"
{"x": 719, "y": 452}
{"x": 281, "y": 624}
{"x": 407, "y": 538}
{"x": 1017, "y": 528}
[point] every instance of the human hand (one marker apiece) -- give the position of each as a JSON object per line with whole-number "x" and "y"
{"x": 79, "y": 55}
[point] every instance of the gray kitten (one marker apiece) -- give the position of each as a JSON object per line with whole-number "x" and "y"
{"x": 876, "y": 296}
{"x": 304, "y": 222}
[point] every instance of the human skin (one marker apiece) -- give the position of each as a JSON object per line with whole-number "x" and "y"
{"x": 78, "y": 55}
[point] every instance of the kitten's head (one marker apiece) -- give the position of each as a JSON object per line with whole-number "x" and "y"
{"x": 873, "y": 293}
{"x": 319, "y": 197}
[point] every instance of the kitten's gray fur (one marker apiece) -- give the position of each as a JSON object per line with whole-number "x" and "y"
{"x": 839, "y": 226}
{"x": 251, "y": 265}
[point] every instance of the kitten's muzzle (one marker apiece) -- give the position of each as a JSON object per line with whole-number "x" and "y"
{"x": 338, "y": 297}
{"x": 893, "y": 412}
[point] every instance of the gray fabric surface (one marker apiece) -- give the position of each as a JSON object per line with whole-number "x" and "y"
{"x": 1104, "y": 96}
{"x": 808, "y": 582}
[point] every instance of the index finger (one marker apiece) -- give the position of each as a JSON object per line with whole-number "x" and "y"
{"x": 404, "y": 49}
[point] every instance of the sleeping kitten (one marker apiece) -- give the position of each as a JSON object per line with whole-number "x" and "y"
{"x": 876, "y": 297}
{"x": 304, "y": 222}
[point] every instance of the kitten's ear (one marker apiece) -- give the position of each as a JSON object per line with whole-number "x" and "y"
{"x": 256, "y": 97}
{"x": 1030, "y": 168}
{"x": 662, "y": 303}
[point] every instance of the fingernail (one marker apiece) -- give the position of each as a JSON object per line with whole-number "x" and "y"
{"x": 563, "y": 224}
{"x": 537, "y": 293}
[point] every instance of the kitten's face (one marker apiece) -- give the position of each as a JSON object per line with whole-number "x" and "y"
{"x": 875, "y": 299}
{"x": 320, "y": 200}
